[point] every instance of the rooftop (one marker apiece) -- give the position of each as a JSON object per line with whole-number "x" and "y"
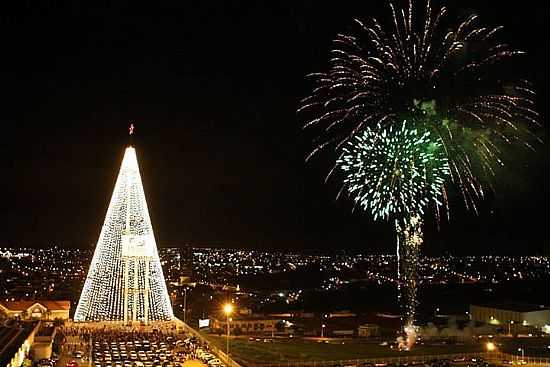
{"x": 514, "y": 306}
{"x": 25, "y": 305}
{"x": 12, "y": 337}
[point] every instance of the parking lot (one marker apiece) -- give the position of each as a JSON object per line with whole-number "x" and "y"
{"x": 143, "y": 351}
{"x": 124, "y": 347}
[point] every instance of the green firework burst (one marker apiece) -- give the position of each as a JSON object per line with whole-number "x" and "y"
{"x": 394, "y": 172}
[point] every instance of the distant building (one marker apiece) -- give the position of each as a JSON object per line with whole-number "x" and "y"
{"x": 39, "y": 310}
{"x": 507, "y": 314}
{"x": 186, "y": 262}
{"x": 297, "y": 314}
{"x": 251, "y": 325}
{"x": 43, "y": 342}
{"x": 245, "y": 311}
{"x": 16, "y": 343}
{"x": 341, "y": 314}
{"x": 368, "y": 331}
{"x": 177, "y": 263}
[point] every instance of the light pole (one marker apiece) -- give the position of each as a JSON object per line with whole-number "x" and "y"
{"x": 227, "y": 309}
{"x": 323, "y": 330}
{"x": 510, "y": 327}
{"x": 522, "y": 350}
{"x": 185, "y": 305}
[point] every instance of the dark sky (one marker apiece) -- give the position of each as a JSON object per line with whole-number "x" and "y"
{"x": 213, "y": 88}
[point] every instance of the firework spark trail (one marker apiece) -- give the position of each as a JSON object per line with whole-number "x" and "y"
{"x": 409, "y": 242}
{"x": 397, "y": 173}
{"x": 377, "y": 75}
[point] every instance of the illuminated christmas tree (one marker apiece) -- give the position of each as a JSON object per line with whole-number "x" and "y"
{"x": 125, "y": 281}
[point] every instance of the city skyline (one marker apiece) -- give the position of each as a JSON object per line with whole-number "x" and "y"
{"x": 221, "y": 139}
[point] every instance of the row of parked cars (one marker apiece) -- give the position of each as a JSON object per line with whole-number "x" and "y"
{"x": 140, "y": 353}
{"x": 51, "y": 362}
{"x": 208, "y": 358}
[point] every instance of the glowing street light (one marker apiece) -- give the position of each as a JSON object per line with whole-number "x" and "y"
{"x": 490, "y": 346}
{"x": 323, "y": 330}
{"x": 228, "y": 310}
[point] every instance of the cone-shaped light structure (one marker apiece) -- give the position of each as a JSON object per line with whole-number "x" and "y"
{"x": 125, "y": 280}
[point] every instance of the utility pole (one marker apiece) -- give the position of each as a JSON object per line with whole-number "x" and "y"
{"x": 185, "y": 305}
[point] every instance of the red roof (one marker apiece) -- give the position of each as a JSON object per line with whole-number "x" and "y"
{"x": 25, "y": 305}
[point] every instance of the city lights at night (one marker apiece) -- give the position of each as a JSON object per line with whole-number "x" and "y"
{"x": 275, "y": 184}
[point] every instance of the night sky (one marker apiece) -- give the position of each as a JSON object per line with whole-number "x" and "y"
{"x": 212, "y": 88}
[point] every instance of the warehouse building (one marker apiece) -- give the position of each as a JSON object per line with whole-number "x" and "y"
{"x": 512, "y": 315}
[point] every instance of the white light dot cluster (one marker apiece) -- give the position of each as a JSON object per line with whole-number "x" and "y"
{"x": 102, "y": 298}
{"x": 409, "y": 242}
{"x": 395, "y": 171}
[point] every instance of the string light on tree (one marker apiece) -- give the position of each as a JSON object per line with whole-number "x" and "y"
{"x": 125, "y": 281}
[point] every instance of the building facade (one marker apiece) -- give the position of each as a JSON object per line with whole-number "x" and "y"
{"x": 37, "y": 310}
{"x": 511, "y": 314}
{"x": 368, "y": 331}
{"x": 249, "y": 325}
{"x": 17, "y": 341}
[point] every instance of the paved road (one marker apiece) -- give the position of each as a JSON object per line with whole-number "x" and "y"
{"x": 73, "y": 344}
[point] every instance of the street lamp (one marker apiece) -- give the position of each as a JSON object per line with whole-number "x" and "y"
{"x": 185, "y": 305}
{"x": 227, "y": 309}
{"x": 510, "y": 327}
{"x": 490, "y": 346}
{"x": 323, "y": 330}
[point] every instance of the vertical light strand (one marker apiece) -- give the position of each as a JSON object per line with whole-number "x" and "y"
{"x": 409, "y": 242}
{"x": 102, "y": 296}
